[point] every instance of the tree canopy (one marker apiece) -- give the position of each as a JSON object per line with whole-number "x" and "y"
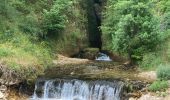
{"x": 133, "y": 27}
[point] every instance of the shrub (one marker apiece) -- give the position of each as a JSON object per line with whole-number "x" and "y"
{"x": 163, "y": 72}
{"x": 133, "y": 28}
{"x": 158, "y": 86}
{"x": 55, "y": 20}
{"x": 30, "y": 25}
{"x": 150, "y": 61}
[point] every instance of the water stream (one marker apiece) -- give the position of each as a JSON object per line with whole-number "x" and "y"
{"x": 61, "y": 89}
{"x": 103, "y": 57}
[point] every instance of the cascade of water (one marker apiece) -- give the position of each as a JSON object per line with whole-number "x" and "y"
{"x": 35, "y": 95}
{"x": 79, "y": 90}
{"x": 103, "y": 57}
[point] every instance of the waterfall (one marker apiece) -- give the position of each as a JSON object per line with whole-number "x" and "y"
{"x": 103, "y": 57}
{"x": 61, "y": 89}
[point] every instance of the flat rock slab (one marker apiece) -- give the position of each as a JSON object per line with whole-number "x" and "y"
{"x": 63, "y": 60}
{"x": 149, "y": 75}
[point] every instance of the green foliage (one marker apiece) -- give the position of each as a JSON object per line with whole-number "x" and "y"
{"x": 150, "y": 61}
{"x": 163, "y": 72}
{"x": 21, "y": 6}
{"x": 158, "y": 86}
{"x": 23, "y": 25}
{"x": 163, "y": 7}
{"x": 31, "y": 26}
{"x": 22, "y": 56}
{"x": 4, "y": 52}
{"x": 133, "y": 28}
{"x": 55, "y": 19}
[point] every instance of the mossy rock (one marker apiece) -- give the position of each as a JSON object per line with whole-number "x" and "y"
{"x": 90, "y": 53}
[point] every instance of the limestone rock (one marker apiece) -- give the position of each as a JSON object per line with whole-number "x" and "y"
{"x": 150, "y": 75}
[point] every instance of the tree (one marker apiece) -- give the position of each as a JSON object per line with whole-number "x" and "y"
{"x": 133, "y": 27}
{"x": 56, "y": 18}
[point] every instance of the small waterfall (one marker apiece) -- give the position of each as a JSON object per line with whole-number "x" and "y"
{"x": 103, "y": 57}
{"x": 61, "y": 89}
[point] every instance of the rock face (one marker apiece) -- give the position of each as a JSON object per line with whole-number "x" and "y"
{"x": 94, "y": 23}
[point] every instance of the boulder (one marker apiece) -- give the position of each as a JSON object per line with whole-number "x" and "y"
{"x": 90, "y": 53}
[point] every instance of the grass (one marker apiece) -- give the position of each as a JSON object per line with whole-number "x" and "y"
{"x": 151, "y": 61}
{"x": 24, "y": 58}
{"x": 158, "y": 86}
{"x": 163, "y": 72}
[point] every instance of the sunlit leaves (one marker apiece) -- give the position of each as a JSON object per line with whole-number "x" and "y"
{"x": 133, "y": 27}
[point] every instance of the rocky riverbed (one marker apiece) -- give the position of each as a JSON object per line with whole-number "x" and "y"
{"x": 72, "y": 68}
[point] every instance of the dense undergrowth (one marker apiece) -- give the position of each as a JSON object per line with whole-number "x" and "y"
{"x": 23, "y": 59}
{"x": 138, "y": 30}
{"x": 31, "y": 32}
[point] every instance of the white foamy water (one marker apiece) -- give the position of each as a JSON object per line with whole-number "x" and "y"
{"x": 103, "y": 57}
{"x": 78, "y": 90}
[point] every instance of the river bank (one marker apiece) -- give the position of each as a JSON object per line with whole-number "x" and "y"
{"x": 136, "y": 81}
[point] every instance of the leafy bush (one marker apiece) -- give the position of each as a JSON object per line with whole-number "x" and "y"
{"x": 158, "y": 86}
{"x": 55, "y": 19}
{"x": 133, "y": 27}
{"x": 30, "y": 25}
{"x": 150, "y": 61}
{"x": 163, "y": 72}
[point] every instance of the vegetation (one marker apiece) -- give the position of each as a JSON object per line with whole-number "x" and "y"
{"x": 158, "y": 86}
{"x": 54, "y": 19}
{"x": 25, "y": 59}
{"x": 163, "y": 72}
{"x": 133, "y": 28}
{"x": 138, "y": 30}
{"x": 163, "y": 75}
{"x": 30, "y": 31}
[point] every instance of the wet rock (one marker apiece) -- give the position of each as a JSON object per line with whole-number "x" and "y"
{"x": 3, "y": 88}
